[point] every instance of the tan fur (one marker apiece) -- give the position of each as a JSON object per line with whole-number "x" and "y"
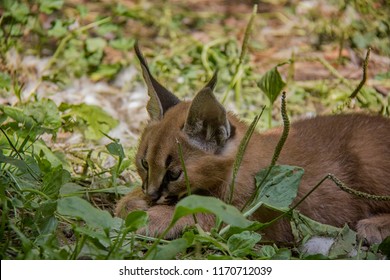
{"x": 356, "y": 148}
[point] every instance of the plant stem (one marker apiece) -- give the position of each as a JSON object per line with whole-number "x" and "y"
{"x": 239, "y": 68}
{"x": 241, "y": 151}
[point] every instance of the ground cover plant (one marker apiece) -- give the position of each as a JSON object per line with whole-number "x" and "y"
{"x": 72, "y": 105}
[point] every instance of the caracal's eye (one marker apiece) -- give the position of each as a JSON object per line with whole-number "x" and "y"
{"x": 173, "y": 175}
{"x": 144, "y": 164}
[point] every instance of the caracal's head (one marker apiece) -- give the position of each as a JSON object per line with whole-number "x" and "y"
{"x": 183, "y": 136}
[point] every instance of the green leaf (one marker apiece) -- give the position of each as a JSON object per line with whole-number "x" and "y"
{"x": 105, "y": 71}
{"x": 18, "y": 115}
{"x": 169, "y": 251}
{"x": 19, "y": 11}
{"x": 116, "y": 149}
{"x": 136, "y": 220}
{"x": 96, "y": 120}
{"x": 123, "y": 44}
{"x": 205, "y": 204}
{"x": 29, "y": 171}
{"x": 267, "y": 251}
{"x": 58, "y": 30}
{"x": 344, "y": 243}
{"x": 95, "y": 44}
{"x": 54, "y": 180}
{"x": 5, "y": 81}
{"x": 80, "y": 208}
{"x": 242, "y": 244}
{"x": 71, "y": 188}
{"x": 303, "y": 228}
{"x": 55, "y": 158}
{"x": 384, "y": 247}
{"x": 280, "y": 187}
{"x": 44, "y": 217}
{"x": 99, "y": 236}
{"x": 48, "y": 6}
{"x": 44, "y": 112}
{"x": 282, "y": 254}
{"x": 271, "y": 83}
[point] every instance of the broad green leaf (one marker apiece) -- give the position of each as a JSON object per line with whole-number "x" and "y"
{"x": 18, "y": 115}
{"x": 280, "y": 187}
{"x": 48, "y": 6}
{"x": 95, "y": 118}
{"x": 267, "y": 251}
{"x": 273, "y": 253}
{"x": 44, "y": 112}
{"x": 303, "y": 228}
{"x": 80, "y": 208}
{"x": 136, "y": 220}
{"x": 282, "y": 254}
{"x": 242, "y": 244}
{"x": 271, "y": 83}
{"x": 205, "y": 204}
{"x": 54, "y": 180}
{"x": 71, "y": 188}
{"x": 344, "y": 243}
{"x": 116, "y": 149}
{"x": 169, "y": 251}
{"x": 45, "y": 219}
{"x": 48, "y": 226}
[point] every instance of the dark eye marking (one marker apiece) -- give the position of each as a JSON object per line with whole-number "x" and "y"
{"x": 168, "y": 161}
{"x": 145, "y": 164}
{"x": 172, "y": 175}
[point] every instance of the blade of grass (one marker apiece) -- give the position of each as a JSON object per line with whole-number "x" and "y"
{"x": 239, "y": 69}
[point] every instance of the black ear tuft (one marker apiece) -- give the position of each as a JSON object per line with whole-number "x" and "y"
{"x": 161, "y": 99}
{"x": 213, "y": 81}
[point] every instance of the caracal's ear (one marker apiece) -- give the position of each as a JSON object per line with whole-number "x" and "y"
{"x": 207, "y": 124}
{"x": 161, "y": 99}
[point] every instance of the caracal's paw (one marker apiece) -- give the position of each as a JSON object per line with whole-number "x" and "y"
{"x": 374, "y": 229}
{"x": 135, "y": 200}
{"x": 160, "y": 217}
